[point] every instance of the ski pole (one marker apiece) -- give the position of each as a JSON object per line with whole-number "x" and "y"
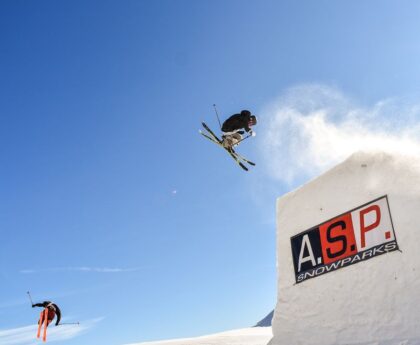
{"x": 244, "y": 139}
{"x": 30, "y": 298}
{"x": 215, "y": 109}
{"x": 68, "y": 323}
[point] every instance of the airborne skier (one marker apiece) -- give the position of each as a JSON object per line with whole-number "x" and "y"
{"x": 233, "y": 128}
{"x": 46, "y": 316}
{"x": 50, "y": 310}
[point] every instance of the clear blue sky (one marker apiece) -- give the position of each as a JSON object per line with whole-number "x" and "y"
{"x": 102, "y": 166}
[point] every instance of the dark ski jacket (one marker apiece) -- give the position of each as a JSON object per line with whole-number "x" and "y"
{"x": 237, "y": 121}
{"x": 51, "y": 306}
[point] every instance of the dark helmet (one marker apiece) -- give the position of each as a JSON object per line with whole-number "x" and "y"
{"x": 246, "y": 113}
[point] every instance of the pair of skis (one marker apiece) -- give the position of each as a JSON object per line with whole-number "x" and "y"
{"x": 236, "y": 156}
{"x": 43, "y": 321}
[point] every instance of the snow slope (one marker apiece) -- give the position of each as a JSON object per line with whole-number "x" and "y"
{"x": 245, "y": 336}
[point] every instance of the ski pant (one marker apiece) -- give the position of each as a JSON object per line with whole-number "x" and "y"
{"x": 51, "y": 316}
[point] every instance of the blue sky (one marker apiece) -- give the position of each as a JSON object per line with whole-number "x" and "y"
{"x": 113, "y": 206}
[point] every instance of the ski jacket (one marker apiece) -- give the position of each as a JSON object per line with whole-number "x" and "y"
{"x": 237, "y": 121}
{"x": 52, "y": 307}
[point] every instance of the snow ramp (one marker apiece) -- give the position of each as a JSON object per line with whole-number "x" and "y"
{"x": 348, "y": 255}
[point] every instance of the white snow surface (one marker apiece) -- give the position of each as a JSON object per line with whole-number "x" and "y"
{"x": 244, "y": 336}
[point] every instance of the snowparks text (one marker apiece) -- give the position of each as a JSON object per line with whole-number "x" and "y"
{"x": 355, "y": 236}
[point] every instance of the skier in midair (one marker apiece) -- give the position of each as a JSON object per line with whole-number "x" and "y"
{"x": 53, "y": 310}
{"x": 235, "y": 126}
{"x": 232, "y": 130}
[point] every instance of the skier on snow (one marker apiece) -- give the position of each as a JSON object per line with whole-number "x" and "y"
{"x": 235, "y": 126}
{"x": 53, "y": 310}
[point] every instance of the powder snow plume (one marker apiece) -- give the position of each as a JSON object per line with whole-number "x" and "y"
{"x": 311, "y": 128}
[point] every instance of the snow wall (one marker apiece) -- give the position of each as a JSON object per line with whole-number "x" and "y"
{"x": 348, "y": 256}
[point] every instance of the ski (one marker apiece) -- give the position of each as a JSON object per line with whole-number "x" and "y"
{"x": 40, "y": 322}
{"x": 208, "y": 137}
{"x": 217, "y": 141}
{"x": 211, "y": 133}
{"x": 244, "y": 159}
{"x": 44, "y": 336}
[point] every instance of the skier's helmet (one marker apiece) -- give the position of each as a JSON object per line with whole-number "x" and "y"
{"x": 252, "y": 120}
{"x": 246, "y": 113}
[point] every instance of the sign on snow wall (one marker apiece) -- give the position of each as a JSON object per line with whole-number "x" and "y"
{"x": 349, "y": 238}
{"x": 348, "y": 258}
